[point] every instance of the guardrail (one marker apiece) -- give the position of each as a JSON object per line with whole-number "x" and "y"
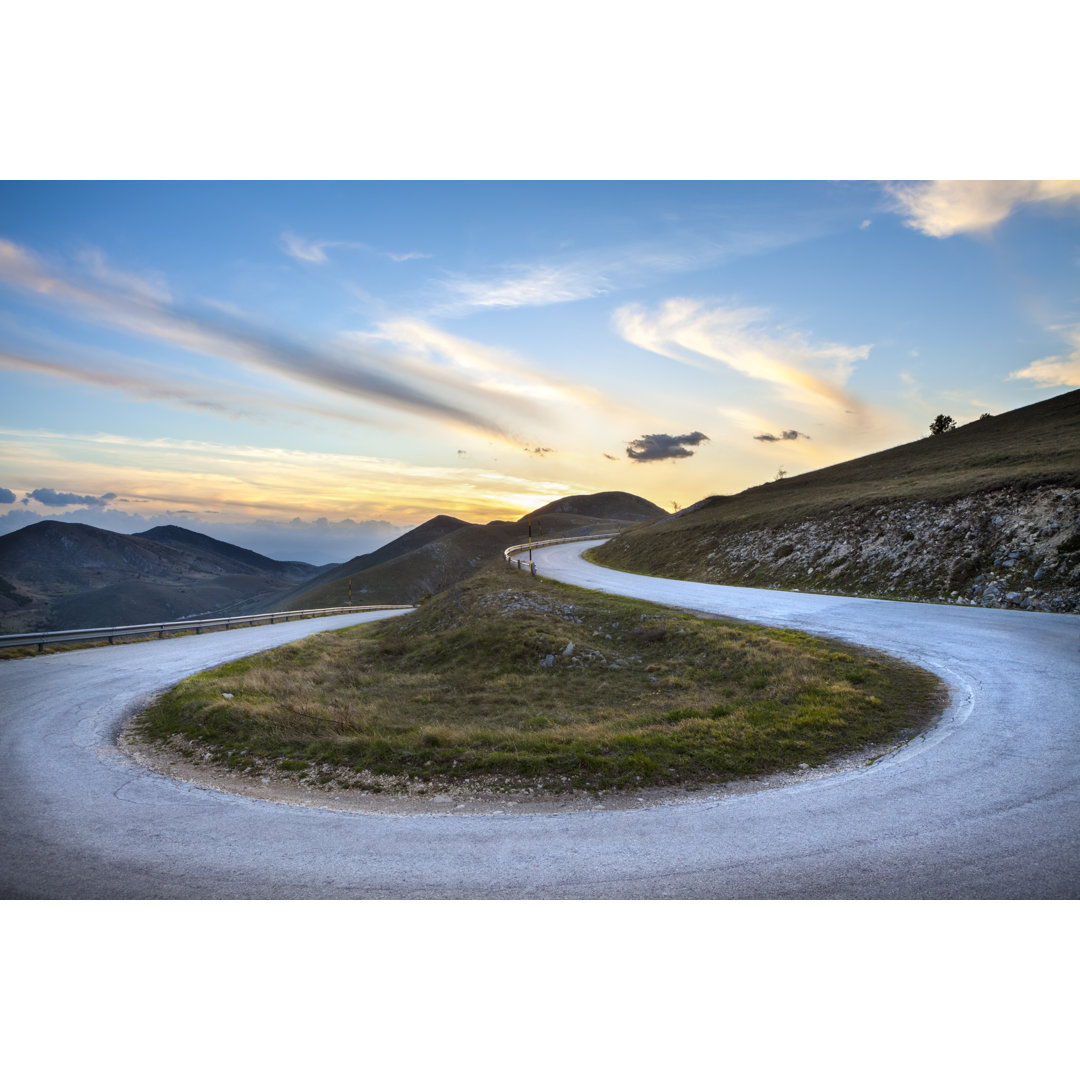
{"x": 111, "y": 633}
{"x": 518, "y": 548}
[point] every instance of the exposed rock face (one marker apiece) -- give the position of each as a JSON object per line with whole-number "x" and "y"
{"x": 1007, "y": 548}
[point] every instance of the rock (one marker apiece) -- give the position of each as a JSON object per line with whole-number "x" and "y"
{"x": 569, "y": 650}
{"x": 548, "y": 661}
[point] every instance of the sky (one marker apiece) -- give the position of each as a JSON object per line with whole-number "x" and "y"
{"x": 312, "y": 366}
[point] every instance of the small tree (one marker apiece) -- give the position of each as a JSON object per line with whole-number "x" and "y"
{"x": 942, "y": 424}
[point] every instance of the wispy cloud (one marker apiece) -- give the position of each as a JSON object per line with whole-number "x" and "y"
{"x": 237, "y": 480}
{"x": 945, "y": 207}
{"x": 184, "y": 389}
{"x": 440, "y": 356}
{"x": 151, "y": 286}
{"x": 355, "y": 374}
{"x": 314, "y": 251}
{"x": 1062, "y": 370}
{"x": 694, "y": 333}
{"x": 535, "y": 286}
{"x": 598, "y": 272}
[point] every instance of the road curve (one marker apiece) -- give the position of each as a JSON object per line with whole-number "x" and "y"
{"x": 986, "y": 805}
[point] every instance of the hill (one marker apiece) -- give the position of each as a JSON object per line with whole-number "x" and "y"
{"x": 985, "y": 514}
{"x": 230, "y": 556}
{"x": 436, "y": 555}
{"x": 604, "y": 505}
{"x": 59, "y": 575}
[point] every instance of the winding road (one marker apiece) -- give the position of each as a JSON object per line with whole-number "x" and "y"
{"x": 984, "y": 805}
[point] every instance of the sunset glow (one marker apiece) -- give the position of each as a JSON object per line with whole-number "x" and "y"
{"x": 280, "y": 361}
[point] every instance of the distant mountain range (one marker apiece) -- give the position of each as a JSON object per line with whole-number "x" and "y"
{"x": 56, "y": 575}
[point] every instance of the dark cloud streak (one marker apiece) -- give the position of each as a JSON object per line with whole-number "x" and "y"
{"x": 49, "y": 497}
{"x": 784, "y": 436}
{"x": 199, "y": 331}
{"x": 664, "y": 447}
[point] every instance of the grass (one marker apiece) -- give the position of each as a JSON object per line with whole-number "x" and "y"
{"x": 511, "y": 682}
{"x": 1023, "y": 449}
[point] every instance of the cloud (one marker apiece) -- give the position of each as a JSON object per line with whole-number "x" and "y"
{"x": 865, "y": 224}
{"x": 152, "y": 287}
{"x": 610, "y": 457}
{"x": 182, "y": 389}
{"x": 49, "y": 497}
{"x": 1055, "y": 370}
{"x": 538, "y": 451}
{"x": 357, "y": 375}
{"x": 535, "y": 286}
{"x": 692, "y": 332}
{"x": 945, "y": 207}
{"x": 784, "y": 435}
{"x": 313, "y": 251}
{"x": 604, "y": 270}
{"x": 6, "y": 496}
{"x": 663, "y": 447}
{"x": 246, "y": 481}
{"x": 478, "y": 371}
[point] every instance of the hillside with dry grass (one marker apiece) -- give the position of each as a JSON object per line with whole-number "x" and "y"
{"x": 509, "y": 683}
{"x": 443, "y": 551}
{"x": 987, "y": 514}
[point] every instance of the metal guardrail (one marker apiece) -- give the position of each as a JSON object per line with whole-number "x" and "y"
{"x": 516, "y": 549}
{"x": 111, "y": 633}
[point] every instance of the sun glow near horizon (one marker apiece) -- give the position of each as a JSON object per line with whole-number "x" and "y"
{"x": 389, "y": 352}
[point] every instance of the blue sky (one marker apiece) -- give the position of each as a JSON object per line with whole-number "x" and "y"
{"x": 282, "y": 363}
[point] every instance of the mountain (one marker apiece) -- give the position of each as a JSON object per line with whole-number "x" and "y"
{"x": 606, "y": 505}
{"x": 987, "y": 514}
{"x": 59, "y": 575}
{"x": 228, "y": 557}
{"x": 444, "y": 550}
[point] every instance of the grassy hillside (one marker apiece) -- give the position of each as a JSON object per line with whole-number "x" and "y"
{"x": 60, "y": 575}
{"x": 508, "y": 682}
{"x": 989, "y": 506}
{"x": 428, "y": 566}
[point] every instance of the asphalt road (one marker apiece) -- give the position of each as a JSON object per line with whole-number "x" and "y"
{"x": 985, "y": 805}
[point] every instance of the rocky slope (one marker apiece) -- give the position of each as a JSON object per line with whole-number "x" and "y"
{"x": 1005, "y": 548}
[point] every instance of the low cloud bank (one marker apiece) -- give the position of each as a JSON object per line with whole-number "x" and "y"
{"x": 49, "y": 497}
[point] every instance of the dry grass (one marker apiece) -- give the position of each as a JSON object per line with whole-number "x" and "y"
{"x": 1023, "y": 449}
{"x": 480, "y": 684}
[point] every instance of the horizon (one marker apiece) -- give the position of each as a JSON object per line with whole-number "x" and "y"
{"x": 319, "y": 366}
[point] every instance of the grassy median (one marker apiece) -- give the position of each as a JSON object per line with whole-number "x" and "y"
{"x": 509, "y": 681}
